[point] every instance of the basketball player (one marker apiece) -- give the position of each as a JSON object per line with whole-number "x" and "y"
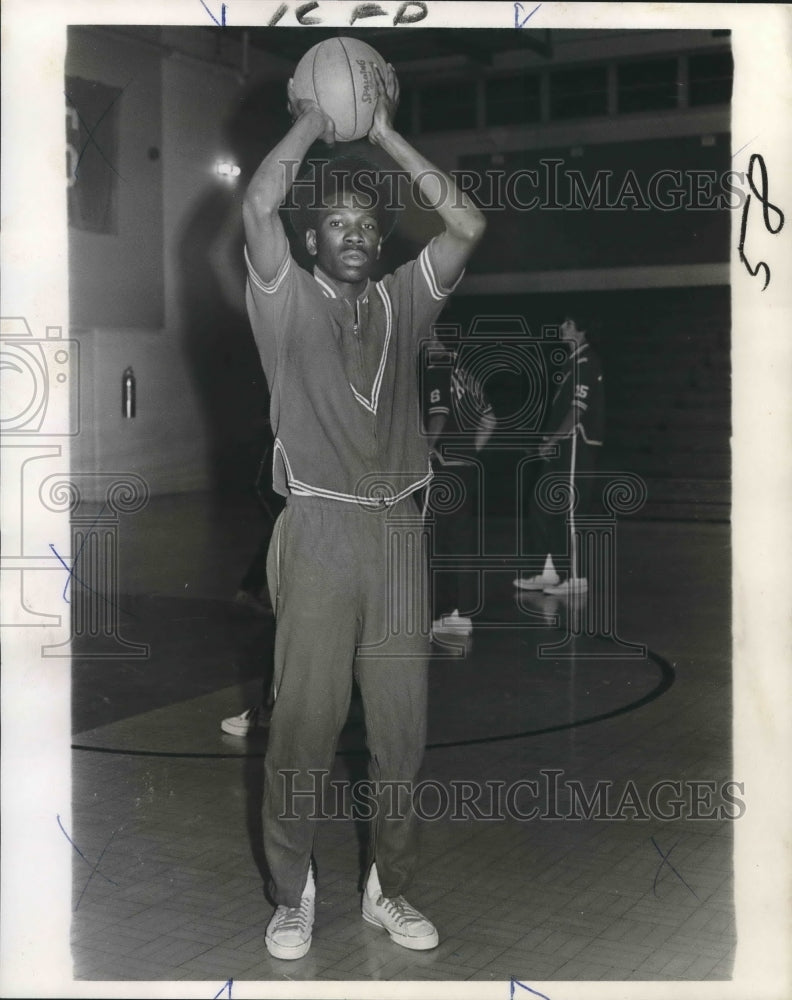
{"x": 340, "y": 351}
{"x": 570, "y": 446}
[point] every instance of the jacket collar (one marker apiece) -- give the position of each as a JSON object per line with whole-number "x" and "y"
{"x": 328, "y": 286}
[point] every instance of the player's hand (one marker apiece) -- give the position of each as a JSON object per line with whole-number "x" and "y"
{"x": 387, "y": 103}
{"x": 547, "y": 447}
{"x": 299, "y": 106}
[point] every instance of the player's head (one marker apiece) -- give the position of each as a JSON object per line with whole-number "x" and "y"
{"x": 345, "y": 237}
{"x": 574, "y": 327}
{"x": 347, "y": 182}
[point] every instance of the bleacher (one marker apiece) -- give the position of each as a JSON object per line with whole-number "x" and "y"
{"x": 669, "y": 402}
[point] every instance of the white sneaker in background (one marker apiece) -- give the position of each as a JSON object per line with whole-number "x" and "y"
{"x": 250, "y": 721}
{"x": 459, "y": 624}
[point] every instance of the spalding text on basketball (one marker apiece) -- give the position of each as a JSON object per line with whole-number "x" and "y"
{"x": 367, "y": 95}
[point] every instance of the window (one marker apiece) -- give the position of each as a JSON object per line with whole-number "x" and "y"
{"x": 511, "y": 100}
{"x": 710, "y": 78}
{"x": 448, "y": 106}
{"x": 579, "y": 93}
{"x": 647, "y": 86}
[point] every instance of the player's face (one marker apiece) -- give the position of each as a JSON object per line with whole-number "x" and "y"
{"x": 570, "y": 331}
{"x": 346, "y": 242}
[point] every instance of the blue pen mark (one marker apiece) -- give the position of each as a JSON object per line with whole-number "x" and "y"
{"x": 519, "y": 9}
{"x": 72, "y": 569}
{"x": 91, "y": 140}
{"x": 665, "y": 861}
{"x": 222, "y": 22}
{"x": 516, "y": 982}
{"x": 73, "y": 576}
{"x": 746, "y": 144}
{"x": 94, "y": 868}
{"x": 226, "y": 986}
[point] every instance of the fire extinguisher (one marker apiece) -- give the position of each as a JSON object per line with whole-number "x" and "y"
{"x": 128, "y": 394}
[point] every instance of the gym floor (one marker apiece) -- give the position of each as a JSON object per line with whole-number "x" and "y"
{"x": 165, "y": 806}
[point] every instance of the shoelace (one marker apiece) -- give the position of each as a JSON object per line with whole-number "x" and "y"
{"x": 398, "y": 908}
{"x": 294, "y": 918}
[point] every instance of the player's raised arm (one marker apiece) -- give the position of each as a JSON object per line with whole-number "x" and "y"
{"x": 264, "y": 234}
{"x": 464, "y": 223}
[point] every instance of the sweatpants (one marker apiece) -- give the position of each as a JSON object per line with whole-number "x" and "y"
{"x": 456, "y": 533}
{"x": 554, "y": 533}
{"x": 348, "y": 585}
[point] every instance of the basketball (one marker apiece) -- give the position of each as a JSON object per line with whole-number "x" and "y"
{"x": 337, "y": 74}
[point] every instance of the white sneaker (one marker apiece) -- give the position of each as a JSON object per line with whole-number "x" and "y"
{"x": 248, "y": 722}
{"x": 454, "y": 622}
{"x": 538, "y": 582}
{"x": 572, "y": 585}
{"x": 403, "y": 922}
{"x": 289, "y": 931}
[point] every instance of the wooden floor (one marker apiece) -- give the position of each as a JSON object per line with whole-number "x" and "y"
{"x": 168, "y": 883}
